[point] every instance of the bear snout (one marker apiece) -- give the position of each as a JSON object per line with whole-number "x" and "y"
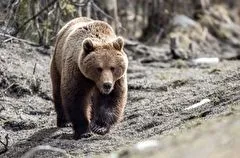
{"x": 107, "y": 87}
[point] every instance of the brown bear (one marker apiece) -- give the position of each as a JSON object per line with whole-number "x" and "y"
{"x": 89, "y": 79}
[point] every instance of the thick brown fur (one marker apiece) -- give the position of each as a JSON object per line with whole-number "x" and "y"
{"x": 88, "y": 72}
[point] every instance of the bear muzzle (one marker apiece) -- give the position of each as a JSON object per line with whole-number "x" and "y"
{"x": 107, "y": 87}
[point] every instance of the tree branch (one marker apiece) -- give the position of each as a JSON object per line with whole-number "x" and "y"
{"x": 18, "y": 39}
{"x": 36, "y": 15}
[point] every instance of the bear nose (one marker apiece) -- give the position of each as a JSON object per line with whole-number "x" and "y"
{"x": 107, "y": 85}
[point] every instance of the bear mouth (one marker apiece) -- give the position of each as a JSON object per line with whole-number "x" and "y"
{"x": 106, "y": 91}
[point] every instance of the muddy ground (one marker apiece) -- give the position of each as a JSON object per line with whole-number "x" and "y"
{"x": 158, "y": 94}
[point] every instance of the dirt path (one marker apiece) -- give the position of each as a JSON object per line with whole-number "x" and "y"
{"x": 157, "y": 99}
{"x": 216, "y": 137}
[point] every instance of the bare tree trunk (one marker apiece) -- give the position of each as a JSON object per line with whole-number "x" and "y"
{"x": 89, "y": 8}
{"x": 33, "y": 7}
{"x": 80, "y": 8}
{"x": 117, "y": 23}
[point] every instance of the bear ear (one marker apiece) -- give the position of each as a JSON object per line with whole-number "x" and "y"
{"x": 118, "y": 43}
{"x": 87, "y": 45}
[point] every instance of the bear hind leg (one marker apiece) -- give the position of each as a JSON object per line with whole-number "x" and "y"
{"x": 57, "y": 100}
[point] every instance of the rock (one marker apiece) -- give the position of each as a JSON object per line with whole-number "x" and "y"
{"x": 184, "y": 21}
{"x": 219, "y": 22}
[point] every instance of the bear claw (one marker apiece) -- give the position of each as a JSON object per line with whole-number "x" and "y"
{"x": 84, "y": 135}
{"x": 99, "y": 130}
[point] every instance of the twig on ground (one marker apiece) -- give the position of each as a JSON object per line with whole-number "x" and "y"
{"x": 45, "y": 147}
{"x": 201, "y": 103}
{"x": 1, "y": 109}
{"x": 18, "y": 39}
{"x": 8, "y": 88}
{"x": 7, "y": 40}
{"x": 5, "y": 145}
{"x": 34, "y": 68}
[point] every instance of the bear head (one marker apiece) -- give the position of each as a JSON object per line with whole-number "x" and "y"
{"x": 103, "y": 62}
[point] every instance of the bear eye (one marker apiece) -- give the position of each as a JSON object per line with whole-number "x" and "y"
{"x": 99, "y": 69}
{"x": 112, "y": 69}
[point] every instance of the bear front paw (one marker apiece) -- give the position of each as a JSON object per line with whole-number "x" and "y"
{"x": 99, "y": 129}
{"x": 77, "y": 136}
{"x": 61, "y": 122}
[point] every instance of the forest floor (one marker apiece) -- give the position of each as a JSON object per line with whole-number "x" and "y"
{"x": 160, "y": 94}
